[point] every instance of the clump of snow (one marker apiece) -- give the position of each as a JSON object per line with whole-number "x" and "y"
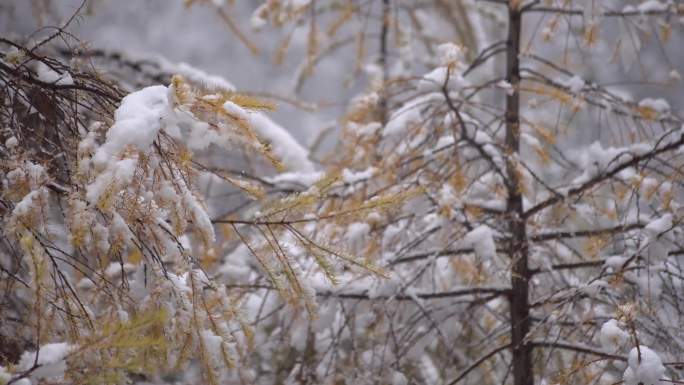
{"x": 200, "y": 218}
{"x": 51, "y": 358}
{"x": 297, "y": 4}
{"x": 504, "y": 85}
{"x": 197, "y": 76}
{"x": 235, "y": 110}
{"x": 435, "y": 79}
{"x": 5, "y": 377}
{"x": 612, "y": 337}
{"x": 29, "y": 203}
{"x": 595, "y": 158}
{"x": 114, "y": 269}
{"x": 675, "y": 75}
{"x": 258, "y": 19}
{"x": 212, "y": 344}
{"x": 399, "y": 379}
{"x": 137, "y": 122}
{"x": 237, "y": 264}
{"x": 615, "y": 261}
{"x": 117, "y": 174}
{"x": 48, "y": 75}
{"x": 574, "y": 84}
{"x": 285, "y": 146}
{"x": 356, "y": 233}
{"x": 351, "y": 177}
{"x": 384, "y": 288}
{"x": 303, "y": 178}
{"x": 409, "y": 115}
{"x": 659, "y": 105}
{"x": 645, "y": 367}
{"x": 119, "y": 229}
{"x": 444, "y": 141}
{"x": 531, "y": 140}
{"x": 659, "y": 226}
{"x": 11, "y": 142}
{"x": 402, "y": 120}
{"x": 364, "y": 128}
{"x": 657, "y": 232}
{"x": 447, "y": 197}
{"x": 652, "y": 6}
{"x": 201, "y": 136}
{"x": 450, "y": 53}
{"x": 481, "y": 240}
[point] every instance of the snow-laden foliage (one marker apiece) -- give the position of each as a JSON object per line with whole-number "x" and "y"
{"x": 106, "y": 235}
{"x": 542, "y": 216}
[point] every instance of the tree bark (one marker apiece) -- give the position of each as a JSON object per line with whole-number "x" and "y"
{"x": 517, "y": 245}
{"x": 384, "y": 36}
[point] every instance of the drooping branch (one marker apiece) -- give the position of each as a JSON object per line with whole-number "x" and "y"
{"x": 595, "y": 181}
{"x": 479, "y": 362}
{"x": 578, "y": 348}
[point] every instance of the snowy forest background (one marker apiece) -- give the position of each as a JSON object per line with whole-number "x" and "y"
{"x": 341, "y": 192}
{"x": 148, "y": 29}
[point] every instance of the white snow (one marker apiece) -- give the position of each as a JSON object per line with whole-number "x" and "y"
{"x": 257, "y": 20}
{"x": 285, "y": 147}
{"x": 351, "y": 177}
{"x": 114, "y": 269}
{"x": 645, "y": 368}
{"x": 612, "y": 337}
{"x": 201, "y": 136}
{"x": 197, "y": 76}
{"x": 235, "y": 110}
{"x": 11, "y": 142}
{"x": 615, "y": 261}
{"x": 48, "y": 75}
{"x": 482, "y": 240}
{"x": 652, "y": 6}
{"x": 659, "y": 105}
{"x": 30, "y": 202}
{"x": 444, "y": 141}
{"x": 451, "y": 60}
{"x": 364, "y": 128}
{"x": 200, "y": 218}
{"x": 356, "y": 232}
{"x": 137, "y": 122}
{"x": 659, "y": 226}
{"x": 51, "y": 358}
{"x": 236, "y": 265}
{"x": 384, "y": 288}
{"x": 504, "y": 85}
{"x": 119, "y": 228}
{"x": 212, "y": 344}
{"x": 575, "y": 84}
{"x": 399, "y": 379}
{"x": 117, "y": 175}
{"x": 435, "y": 79}
{"x": 450, "y": 53}
{"x": 675, "y": 75}
{"x": 402, "y": 120}
{"x": 594, "y": 158}
{"x": 4, "y": 375}
{"x": 303, "y": 178}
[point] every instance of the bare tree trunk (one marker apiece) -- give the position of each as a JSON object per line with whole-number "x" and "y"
{"x": 518, "y": 248}
{"x": 384, "y": 34}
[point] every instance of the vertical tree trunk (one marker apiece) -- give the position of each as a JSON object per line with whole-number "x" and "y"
{"x": 384, "y": 34}
{"x": 518, "y": 248}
